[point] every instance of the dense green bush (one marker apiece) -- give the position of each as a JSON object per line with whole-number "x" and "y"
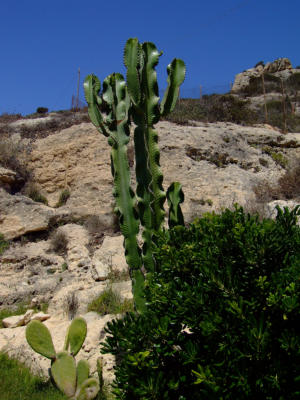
{"x": 223, "y": 314}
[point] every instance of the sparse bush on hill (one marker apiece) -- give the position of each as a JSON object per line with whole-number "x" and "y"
{"x": 287, "y": 188}
{"x": 213, "y": 108}
{"x": 59, "y": 242}
{"x": 33, "y": 192}
{"x": 42, "y": 110}
{"x": 63, "y": 198}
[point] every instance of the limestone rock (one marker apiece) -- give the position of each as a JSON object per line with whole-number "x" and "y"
{"x": 280, "y": 64}
{"x": 20, "y": 215}
{"x": 40, "y": 316}
{"x": 7, "y": 177}
{"x": 13, "y": 321}
{"x": 77, "y": 252}
{"x": 111, "y": 253}
{"x": 77, "y": 158}
{"x": 100, "y": 271}
{"x": 28, "y": 316}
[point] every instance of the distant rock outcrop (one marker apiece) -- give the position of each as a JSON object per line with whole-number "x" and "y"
{"x": 281, "y": 68}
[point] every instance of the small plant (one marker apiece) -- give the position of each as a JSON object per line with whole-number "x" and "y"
{"x": 4, "y": 244}
{"x": 63, "y": 198}
{"x": 59, "y": 242}
{"x": 73, "y": 380}
{"x": 42, "y": 110}
{"x": 33, "y": 192}
{"x": 64, "y": 267}
{"x": 279, "y": 159}
{"x": 93, "y": 224}
{"x": 109, "y": 302}
{"x": 118, "y": 276}
{"x": 71, "y": 304}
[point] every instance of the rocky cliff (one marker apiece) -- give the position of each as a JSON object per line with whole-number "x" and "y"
{"x": 55, "y": 248}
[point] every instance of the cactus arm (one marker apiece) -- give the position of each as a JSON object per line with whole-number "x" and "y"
{"x": 144, "y": 196}
{"x": 76, "y": 335}
{"x": 63, "y": 371}
{"x": 176, "y": 74}
{"x": 88, "y": 390}
{"x": 175, "y": 196}
{"x": 39, "y": 339}
{"x": 124, "y": 195}
{"x": 91, "y": 90}
{"x": 138, "y": 279}
{"x": 83, "y": 371}
{"x": 132, "y": 53}
{"x": 149, "y": 82}
{"x": 156, "y": 188}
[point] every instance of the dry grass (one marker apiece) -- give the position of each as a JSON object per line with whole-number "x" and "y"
{"x": 287, "y": 187}
{"x": 59, "y": 242}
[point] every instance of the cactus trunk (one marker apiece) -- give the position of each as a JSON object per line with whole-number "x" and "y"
{"x": 140, "y": 99}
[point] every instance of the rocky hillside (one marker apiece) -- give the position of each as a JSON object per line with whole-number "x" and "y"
{"x": 60, "y": 245}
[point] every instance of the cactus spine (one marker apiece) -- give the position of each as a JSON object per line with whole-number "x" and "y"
{"x": 140, "y": 99}
{"x": 72, "y": 380}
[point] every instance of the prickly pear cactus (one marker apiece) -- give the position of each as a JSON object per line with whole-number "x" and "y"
{"x": 109, "y": 111}
{"x": 72, "y": 380}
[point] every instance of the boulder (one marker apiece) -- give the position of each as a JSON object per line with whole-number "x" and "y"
{"x": 20, "y": 215}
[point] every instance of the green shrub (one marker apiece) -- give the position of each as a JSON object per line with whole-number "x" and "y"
{"x": 42, "y": 110}
{"x": 63, "y": 198}
{"x": 222, "y": 320}
{"x": 33, "y": 192}
{"x": 4, "y": 244}
{"x": 16, "y": 382}
{"x": 109, "y": 302}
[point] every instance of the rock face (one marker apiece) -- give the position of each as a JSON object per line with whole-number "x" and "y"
{"x": 281, "y": 67}
{"x": 20, "y": 215}
{"x": 55, "y": 257}
{"x": 78, "y": 158}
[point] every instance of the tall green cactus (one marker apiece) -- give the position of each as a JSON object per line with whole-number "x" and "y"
{"x": 73, "y": 381}
{"x": 140, "y": 100}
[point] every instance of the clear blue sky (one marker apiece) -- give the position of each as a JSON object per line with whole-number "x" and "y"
{"x": 44, "y": 42}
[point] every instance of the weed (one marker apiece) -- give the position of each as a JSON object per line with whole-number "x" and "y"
{"x": 64, "y": 267}
{"x": 63, "y": 198}
{"x": 17, "y": 382}
{"x": 279, "y": 159}
{"x": 118, "y": 276}
{"x": 94, "y": 224}
{"x": 109, "y": 302}
{"x": 33, "y": 192}
{"x": 59, "y": 242}
{"x": 4, "y": 244}
{"x": 71, "y": 304}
